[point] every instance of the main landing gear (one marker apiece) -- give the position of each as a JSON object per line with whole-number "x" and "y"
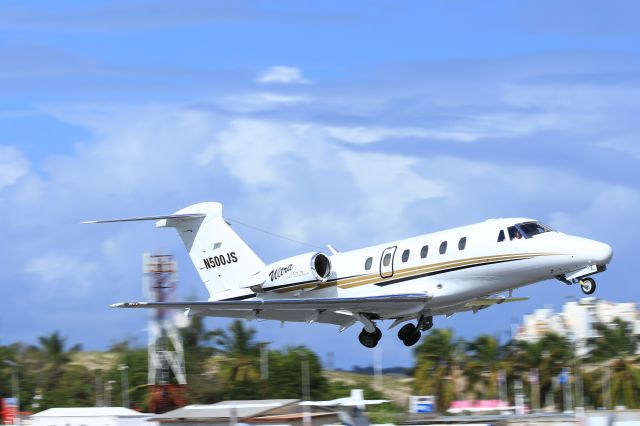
{"x": 410, "y": 334}
{"x": 370, "y": 340}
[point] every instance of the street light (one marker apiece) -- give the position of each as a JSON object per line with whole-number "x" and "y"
{"x": 15, "y": 384}
{"x": 125, "y": 384}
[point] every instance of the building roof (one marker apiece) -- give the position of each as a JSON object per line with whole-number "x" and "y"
{"x": 225, "y": 409}
{"x": 90, "y": 412}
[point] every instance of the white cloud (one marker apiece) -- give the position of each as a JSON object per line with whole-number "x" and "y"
{"x": 628, "y": 144}
{"x": 282, "y": 75}
{"x": 257, "y": 102}
{"x": 62, "y": 273}
{"x": 13, "y": 166}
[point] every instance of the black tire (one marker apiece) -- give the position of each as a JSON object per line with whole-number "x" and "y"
{"x": 367, "y": 339}
{"x": 406, "y": 331}
{"x": 378, "y": 334}
{"x": 412, "y": 339}
{"x": 588, "y": 285}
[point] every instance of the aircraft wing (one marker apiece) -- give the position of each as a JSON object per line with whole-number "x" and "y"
{"x": 340, "y": 311}
{"x": 356, "y": 304}
{"x": 488, "y": 301}
{"x": 345, "y": 402}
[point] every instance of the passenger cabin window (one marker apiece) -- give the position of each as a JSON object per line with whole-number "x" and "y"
{"x": 462, "y": 243}
{"x": 368, "y": 263}
{"x": 501, "y": 236}
{"x": 424, "y": 251}
{"x": 405, "y": 255}
{"x": 387, "y": 259}
{"x": 443, "y": 247}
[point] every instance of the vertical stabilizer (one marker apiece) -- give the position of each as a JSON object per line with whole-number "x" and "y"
{"x": 221, "y": 258}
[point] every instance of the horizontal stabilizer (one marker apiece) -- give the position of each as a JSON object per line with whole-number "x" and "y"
{"x": 494, "y": 301}
{"x": 135, "y": 219}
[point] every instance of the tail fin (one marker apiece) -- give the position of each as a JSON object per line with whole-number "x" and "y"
{"x": 221, "y": 258}
{"x": 223, "y": 261}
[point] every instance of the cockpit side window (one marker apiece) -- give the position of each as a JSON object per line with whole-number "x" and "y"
{"x": 501, "y": 236}
{"x": 514, "y": 233}
{"x": 529, "y": 229}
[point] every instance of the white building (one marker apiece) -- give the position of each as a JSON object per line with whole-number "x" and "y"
{"x": 577, "y": 321}
{"x": 91, "y": 416}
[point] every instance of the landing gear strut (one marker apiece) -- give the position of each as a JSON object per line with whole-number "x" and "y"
{"x": 370, "y": 340}
{"x": 425, "y": 323}
{"x": 588, "y": 285}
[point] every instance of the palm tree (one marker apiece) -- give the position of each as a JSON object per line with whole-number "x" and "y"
{"x": 56, "y": 357}
{"x": 550, "y": 354}
{"x": 438, "y": 367}
{"x": 239, "y": 370}
{"x": 614, "y": 350}
{"x": 483, "y": 361}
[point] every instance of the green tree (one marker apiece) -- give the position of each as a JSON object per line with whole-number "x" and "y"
{"x": 483, "y": 361}
{"x": 438, "y": 368}
{"x": 198, "y": 350}
{"x": 74, "y": 389}
{"x": 285, "y": 374}
{"x": 550, "y": 354}
{"x": 613, "y": 354}
{"x": 239, "y": 368}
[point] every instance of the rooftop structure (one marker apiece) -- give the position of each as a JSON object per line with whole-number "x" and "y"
{"x": 255, "y": 412}
{"x": 90, "y": 416}
{"x": 577, "y": 321}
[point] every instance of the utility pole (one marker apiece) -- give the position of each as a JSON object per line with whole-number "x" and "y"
{"x": 534, "y": 380}
{"x": 15, "y": 384}
{"x": 125, "y": 384}
{"x": 264, "y": 367}
{"x": 107, "y": 391}
{"x": 502, "y": 393}
{"x": 377, "y": 368}
{"x": 306, "y": 394}
{"x": 99, "y": 389}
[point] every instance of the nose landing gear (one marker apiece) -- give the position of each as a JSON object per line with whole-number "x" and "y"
{"x": 588, "y": 285}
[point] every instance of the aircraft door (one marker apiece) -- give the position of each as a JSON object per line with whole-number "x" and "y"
{"x": 386, "y": 262}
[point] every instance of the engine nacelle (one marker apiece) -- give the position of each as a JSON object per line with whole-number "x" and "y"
{"x": 306, "y": 267}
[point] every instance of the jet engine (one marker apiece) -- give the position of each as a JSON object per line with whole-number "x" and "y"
{"x": 308, "y": 267}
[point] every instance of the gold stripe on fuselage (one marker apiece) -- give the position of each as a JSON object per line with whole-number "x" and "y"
{"x": 408, "y": 272}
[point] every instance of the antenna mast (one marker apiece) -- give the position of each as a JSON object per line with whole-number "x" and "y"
{"x": 166, "y": 354}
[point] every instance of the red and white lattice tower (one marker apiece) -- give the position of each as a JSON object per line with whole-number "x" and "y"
{"x": 167, "y": 379}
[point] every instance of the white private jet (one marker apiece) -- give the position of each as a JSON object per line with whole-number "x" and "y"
{"x": 415, "y": 279}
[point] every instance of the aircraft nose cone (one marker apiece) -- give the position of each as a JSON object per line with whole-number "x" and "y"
{"x": 602, "y": 253}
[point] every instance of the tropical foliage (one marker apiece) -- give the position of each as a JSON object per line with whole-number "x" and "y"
{"x": 226, "y": 364}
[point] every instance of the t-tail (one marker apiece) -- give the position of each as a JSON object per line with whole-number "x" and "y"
{"x": 223, "y": 261}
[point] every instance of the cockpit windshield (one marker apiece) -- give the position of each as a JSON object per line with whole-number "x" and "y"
{"x": 529, "y": 229}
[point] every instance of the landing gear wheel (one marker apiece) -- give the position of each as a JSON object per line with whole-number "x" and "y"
{"x": 406, "y": 331}
{"x": 409, "y": 334}
{"x": 370, "y": 340}
{"x": 412, "y": 339}
{"x": 588, "y": 285}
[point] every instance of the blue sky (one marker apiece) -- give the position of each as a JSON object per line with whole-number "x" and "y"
{"x": 333, "y": 122}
